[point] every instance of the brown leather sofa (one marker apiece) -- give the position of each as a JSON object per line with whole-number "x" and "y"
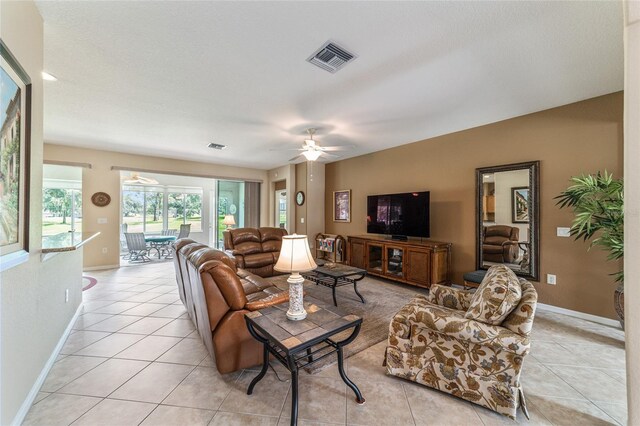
{"x": 500, "y": 244}
{"x": 255, "y": 249}
{"x": 217, "y": 296}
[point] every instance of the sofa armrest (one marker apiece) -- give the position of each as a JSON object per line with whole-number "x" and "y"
{"x": 271, "y": 300}
{"x": 453, "y": 324}
{"x": 449, "y": 297}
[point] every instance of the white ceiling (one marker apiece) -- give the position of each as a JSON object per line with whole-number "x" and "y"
{"x": 167, "y": 78}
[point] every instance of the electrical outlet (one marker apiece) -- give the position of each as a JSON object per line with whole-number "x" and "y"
{"x": 551, "y": 279}
{"x": 302, "y": 220}
{"x": 66, "y": 296}
{"x": 104, "y": 250}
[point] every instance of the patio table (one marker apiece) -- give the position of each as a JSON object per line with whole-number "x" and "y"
{"x": 159, "y": 243}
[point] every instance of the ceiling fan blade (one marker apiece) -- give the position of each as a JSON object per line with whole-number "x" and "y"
{"x": 327, "y": 154}
{"x": 337, "y": 148}
{"x": 296, "y": 157}
{"x": 286, "y": 149}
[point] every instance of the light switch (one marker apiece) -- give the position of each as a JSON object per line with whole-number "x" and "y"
{"x": 563, "y": 232}
{"x": 102, "y": 220}
{"x": 302, "y": 220}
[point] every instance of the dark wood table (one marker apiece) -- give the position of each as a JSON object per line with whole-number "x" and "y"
{"x": 297, "y": 344}
{"x": 336, "y": 275}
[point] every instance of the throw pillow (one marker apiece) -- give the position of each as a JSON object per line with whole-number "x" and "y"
{"x": 498, "y": 295}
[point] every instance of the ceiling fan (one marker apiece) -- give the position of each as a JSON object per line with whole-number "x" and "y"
{"x": 312, "y": 151}
{"x": 135, "y": 178}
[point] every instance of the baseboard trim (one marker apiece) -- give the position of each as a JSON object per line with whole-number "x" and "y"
{"x": 100, "y": 268}
{"x": 26, "y": 405}
{"x": 594, "y": 318}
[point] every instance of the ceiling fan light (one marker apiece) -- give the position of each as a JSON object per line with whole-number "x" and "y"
{"x": 312, "y": 155}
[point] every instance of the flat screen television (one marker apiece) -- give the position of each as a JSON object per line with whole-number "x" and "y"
{"x": 399, "y": 215}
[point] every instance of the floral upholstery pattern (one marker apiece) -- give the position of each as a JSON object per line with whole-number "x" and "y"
{"x": 450, "y": 298}
{"x": 498, "y": 295}
{"x": 436, "y": 345}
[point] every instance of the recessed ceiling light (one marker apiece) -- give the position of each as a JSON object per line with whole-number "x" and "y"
{"x": 217, "y": 146}
{"x": 48, "y": 77}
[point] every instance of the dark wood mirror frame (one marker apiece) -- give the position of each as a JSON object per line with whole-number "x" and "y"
{"x": 534, "y": 220}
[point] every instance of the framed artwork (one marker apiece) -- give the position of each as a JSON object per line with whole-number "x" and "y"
{"x": 15, "y": 116}
{"x": 342, "y": 206}
{"x": 520, "y": 204}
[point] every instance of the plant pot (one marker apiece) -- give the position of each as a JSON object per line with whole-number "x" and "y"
{"x": 618, "y": 303}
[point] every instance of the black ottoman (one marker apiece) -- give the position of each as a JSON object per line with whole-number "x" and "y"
{"x": 473, "y": 279}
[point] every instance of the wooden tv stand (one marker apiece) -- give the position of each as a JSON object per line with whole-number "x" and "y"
{"x": 416, "y": 262}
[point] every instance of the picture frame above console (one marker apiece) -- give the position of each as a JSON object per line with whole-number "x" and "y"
{"x": 508, "y": 217}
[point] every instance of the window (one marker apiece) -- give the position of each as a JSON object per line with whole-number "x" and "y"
{"x": 61, "y": 211}
{"x": 185, "y": 208}
{"x": 61, "y": 199}
{"x": 153, "y": 218}
{"x": 151, "y": 209}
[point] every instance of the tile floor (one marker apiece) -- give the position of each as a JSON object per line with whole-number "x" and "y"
{"x": 133, "y": 358}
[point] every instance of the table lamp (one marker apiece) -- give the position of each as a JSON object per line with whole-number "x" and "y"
{"x": 295, "y": 257}
{"x": 229, "y": 220}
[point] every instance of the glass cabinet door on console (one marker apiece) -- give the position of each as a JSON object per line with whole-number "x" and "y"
{"x": 394, "y": 261}
{"x": 375, "y": 257}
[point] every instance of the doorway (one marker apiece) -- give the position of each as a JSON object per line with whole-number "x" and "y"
{"x": 281, "y": 208}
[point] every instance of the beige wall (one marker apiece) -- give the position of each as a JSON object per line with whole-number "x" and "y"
{"x": 632, "y": 207}
{"x": 34, "y": 314}
{"x": 100, "y": 177}
{"x": 578, "y": 138}
{"x": 310, "y": 178}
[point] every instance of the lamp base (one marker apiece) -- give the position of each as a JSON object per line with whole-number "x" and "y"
{"x": 296, "y": 310}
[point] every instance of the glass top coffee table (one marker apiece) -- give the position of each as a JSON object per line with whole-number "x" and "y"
{"x": 335, "y": 275}
{"x": 297, "y": 344}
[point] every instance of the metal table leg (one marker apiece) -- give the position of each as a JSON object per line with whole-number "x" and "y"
{"x": 333, "y": 290}
{"x": 354, "y": 388}
{"x": 265, "y": 359}
{"x": 355, "y": 287}
{"x": 294, "y": 390}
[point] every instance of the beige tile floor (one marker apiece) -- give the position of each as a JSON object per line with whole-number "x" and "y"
{"x": 133, "y": 358}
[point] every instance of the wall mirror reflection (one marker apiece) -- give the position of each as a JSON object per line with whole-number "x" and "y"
{"x": 508, "y": 217}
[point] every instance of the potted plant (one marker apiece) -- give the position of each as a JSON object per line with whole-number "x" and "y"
{"x": 598, "y": 205}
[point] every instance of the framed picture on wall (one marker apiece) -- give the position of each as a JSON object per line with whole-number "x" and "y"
{"x": 342, "y": 206}
{"x": 520, "y": 204}
{"x": 15, "y": 116}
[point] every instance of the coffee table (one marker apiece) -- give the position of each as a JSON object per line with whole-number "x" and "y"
{"x": 297, "y": 344}
{"x": 336, "y": 275}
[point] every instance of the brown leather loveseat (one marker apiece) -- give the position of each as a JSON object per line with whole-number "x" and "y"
{"x": 255, "y": 249}
{"x": 500, "y": 244}
{"x": 217, "y": 295}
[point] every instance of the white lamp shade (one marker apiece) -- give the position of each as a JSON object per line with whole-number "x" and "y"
{"x": 295, "y": 255}
{"x": 312, "y": 155}
{"x": 229, "y": 220}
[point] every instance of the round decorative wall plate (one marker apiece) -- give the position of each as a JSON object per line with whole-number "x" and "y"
{"x": 101, "y": 199}
{"x": 300, "y": 198}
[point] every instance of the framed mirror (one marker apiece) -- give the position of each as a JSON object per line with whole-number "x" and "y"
{"x": 508, "y": 217}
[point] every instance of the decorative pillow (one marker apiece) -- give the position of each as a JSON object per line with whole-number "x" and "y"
{"x": 498, "y": 295}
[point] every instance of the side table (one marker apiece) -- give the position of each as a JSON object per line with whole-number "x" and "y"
{"x": 297, "y": 344}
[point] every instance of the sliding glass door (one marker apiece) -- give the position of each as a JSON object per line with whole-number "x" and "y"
{"x": 229, "y": 202}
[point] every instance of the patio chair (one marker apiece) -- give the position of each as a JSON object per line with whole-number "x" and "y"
{"x": 137, "y": 246}
{"x": 185, "y": 230}
{"x": 165, "y": 248}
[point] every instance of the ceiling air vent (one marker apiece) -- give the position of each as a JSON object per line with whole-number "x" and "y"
{"x": 331, "y": 57}
{"x": 217, "y": 146}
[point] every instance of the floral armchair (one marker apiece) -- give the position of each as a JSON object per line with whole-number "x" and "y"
{"x": 435, "y": 341}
